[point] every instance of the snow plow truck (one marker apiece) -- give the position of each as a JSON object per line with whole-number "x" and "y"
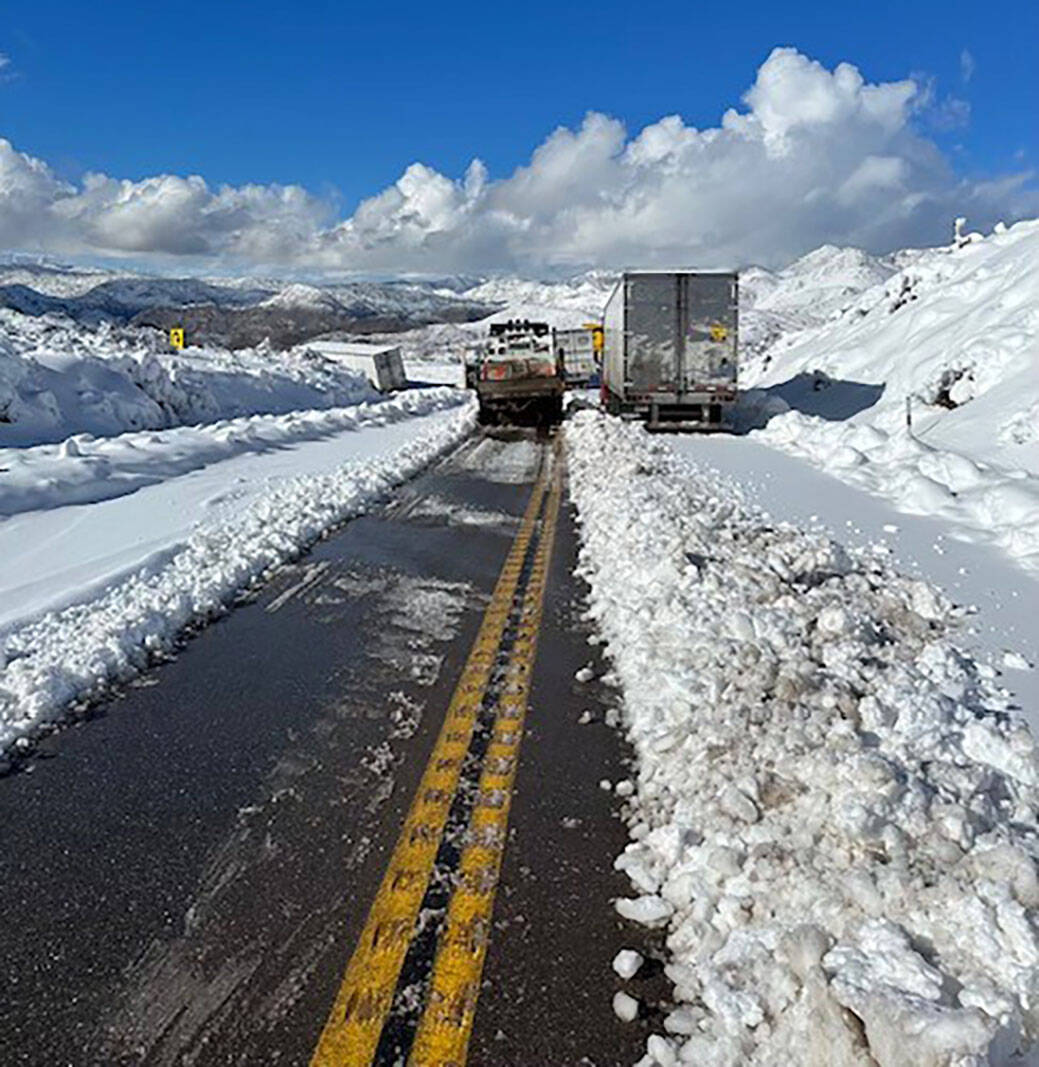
{"x": 517, "y": 377}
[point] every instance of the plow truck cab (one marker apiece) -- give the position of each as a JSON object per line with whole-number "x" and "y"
{"x": 518, "y": 378}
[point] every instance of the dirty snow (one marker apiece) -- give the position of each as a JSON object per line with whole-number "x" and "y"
{"x": 835, "y": 818}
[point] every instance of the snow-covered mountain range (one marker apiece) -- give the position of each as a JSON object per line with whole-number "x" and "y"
{"x": 235, "y": 312}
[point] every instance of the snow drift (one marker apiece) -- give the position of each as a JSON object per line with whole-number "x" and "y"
{"x": 956, "y": 333}
{"x": 58, "y": 378}
{"x": 835, "y": 816}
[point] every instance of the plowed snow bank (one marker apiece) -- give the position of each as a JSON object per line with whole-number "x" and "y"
{"x": 835, "y": 815}
{"x": 74, "y": 653}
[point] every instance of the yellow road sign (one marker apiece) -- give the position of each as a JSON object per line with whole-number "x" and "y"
{"x": 177, "y": 337}
{"x": 718, "y": 332}
{"x": 597, "y": 334}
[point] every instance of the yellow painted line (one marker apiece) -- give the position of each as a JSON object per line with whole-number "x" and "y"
{"x": 351, "y": 1033}
{"x": 442, "y": 1039}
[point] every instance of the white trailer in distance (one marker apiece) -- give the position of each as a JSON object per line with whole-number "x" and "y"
{"x": 381, "y": 364}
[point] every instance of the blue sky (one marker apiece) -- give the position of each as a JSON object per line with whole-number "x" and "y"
{"x": 336, "y": 100}
{"x": 343, "y": 96}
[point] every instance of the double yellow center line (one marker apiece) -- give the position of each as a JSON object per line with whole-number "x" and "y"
{"x": 351, "y": 1034}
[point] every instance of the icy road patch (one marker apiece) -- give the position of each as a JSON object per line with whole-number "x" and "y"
{"x": 72, "y": 654}
{"x": 835, "y": 815}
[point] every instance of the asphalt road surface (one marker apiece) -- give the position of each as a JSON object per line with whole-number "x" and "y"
{"x": 357, "y": 820}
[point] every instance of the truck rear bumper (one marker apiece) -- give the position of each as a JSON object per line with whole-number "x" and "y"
{"x": 703, "y": 412}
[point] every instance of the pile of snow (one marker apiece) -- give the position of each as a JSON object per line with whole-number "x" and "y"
{"x": 84, "y": 469}
{"x": 836, "y": 809}
{"x": 72, "y": 654}
{"x": 957, "y": 333}
{"x": 981, "y": 502}
{"x": 59, "y": 378}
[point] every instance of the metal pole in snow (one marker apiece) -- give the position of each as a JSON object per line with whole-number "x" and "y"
{"x": 909, "y": 414}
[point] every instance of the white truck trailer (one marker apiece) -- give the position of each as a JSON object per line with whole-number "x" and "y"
{"x": 381, "y": 364}
{"x": 575, "y": 350}
{"x": 670, "y": 349}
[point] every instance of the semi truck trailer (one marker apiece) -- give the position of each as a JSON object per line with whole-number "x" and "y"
{"x": 382, "y": 365}
{"x": 670, "y": 349}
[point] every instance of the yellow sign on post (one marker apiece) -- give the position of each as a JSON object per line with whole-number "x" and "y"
{"x": 177, "y": 337}
{"x": 597, "y": 335}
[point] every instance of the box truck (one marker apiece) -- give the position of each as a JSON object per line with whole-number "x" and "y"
{"x": 575, "y": 350}
{"x": 670, "y": 349}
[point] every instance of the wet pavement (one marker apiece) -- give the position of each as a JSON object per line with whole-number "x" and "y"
{"x": 186, "y": 872}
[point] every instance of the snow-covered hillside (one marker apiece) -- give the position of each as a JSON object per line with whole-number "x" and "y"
{"x": 955, "y": 332}
{"x": 59, "y": 378}
{"x": 238, "y": 312}
{"x": 807, "y": 293}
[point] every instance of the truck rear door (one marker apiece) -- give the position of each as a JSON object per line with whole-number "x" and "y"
{"x": 651, "y": 325}
{"x": 708, "y": 313}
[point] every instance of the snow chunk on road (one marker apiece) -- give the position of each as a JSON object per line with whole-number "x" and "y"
{"x": 75, "y": 653}
{"x": 836, "y": 807}
{"x": 625, "y": 1007}
{"x": 627, "y": 962}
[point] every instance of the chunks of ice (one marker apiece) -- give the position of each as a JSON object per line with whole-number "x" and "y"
{"x": 833, "y": 799}
{"x": 625, "y": 1007}
{"x": 661, "y": 1051}
{"x": 649, "y": 910}
{"x": 627, "y": 962}
{"x": 1015, "y": 661}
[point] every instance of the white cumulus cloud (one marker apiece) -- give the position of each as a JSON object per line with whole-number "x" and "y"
{"x": 813, "y": 156}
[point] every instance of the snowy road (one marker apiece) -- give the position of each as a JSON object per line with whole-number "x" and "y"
{"x": 296, "y": 819}
{"x": 245, "y": 797}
